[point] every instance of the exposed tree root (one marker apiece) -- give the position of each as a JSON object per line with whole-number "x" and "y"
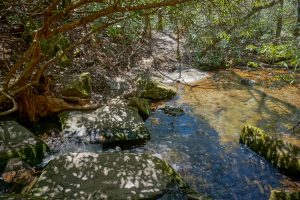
{"x": 34, "y": 106}
{"x": 13, "y": 109}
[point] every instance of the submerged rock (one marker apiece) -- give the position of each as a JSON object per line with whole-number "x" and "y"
{"x": 106, "y": 176}
{"x": 247, "y": 82}
{"x": 142, "y": 105}
{"x": 80, "y": 86}
{"x": 283, "y": 155}
{"x": 186, "y": 76}
{"x": 156, "y": 90}
{"x": 174, "y": 111}
{"x": 284, "y": 195}
{"x": 17, "y": 142}
{"x": 108, "y": 124}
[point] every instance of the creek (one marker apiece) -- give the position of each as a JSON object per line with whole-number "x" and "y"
{"x": 203, "y": 144}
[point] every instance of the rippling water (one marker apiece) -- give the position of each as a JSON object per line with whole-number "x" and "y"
{"x": 203, "y": 144}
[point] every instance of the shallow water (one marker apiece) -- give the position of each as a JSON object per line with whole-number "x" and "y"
{"x": 203, "y": 144}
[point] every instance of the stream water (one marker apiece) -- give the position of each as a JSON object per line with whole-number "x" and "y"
{"x": 202, "y": 145}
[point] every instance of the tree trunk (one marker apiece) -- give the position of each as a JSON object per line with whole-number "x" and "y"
{"x": 297, "y": 29}
{"x": 147, "y": 27}
{"x": 160, "y": 26}
{"x": 279, "y": 21}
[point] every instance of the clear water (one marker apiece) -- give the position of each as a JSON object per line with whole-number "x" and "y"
{"x": 222, "y": 171}
{"x": 203, "y": 145}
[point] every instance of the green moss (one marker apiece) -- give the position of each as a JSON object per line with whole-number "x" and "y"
{"x": 55, "y": 44}
{"x": 19, "y": 142}
{"x": 284, "y": 195}
{"x": 80, "y": 86}
{"x": 155, "y": 90}
{"x": 281, "y": 154}
{"x": 142, "y": 105}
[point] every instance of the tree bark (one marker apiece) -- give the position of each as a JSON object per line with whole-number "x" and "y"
{"x": 147, "y": 26}
{"x": 279, "y": 21}
{"x": 160, "y": 26}
{"x": 297, "y": 29}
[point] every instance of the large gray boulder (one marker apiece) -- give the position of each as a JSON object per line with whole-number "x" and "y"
{"x": 17, "y": 142}
{"x": 106, "y": 176}
{"x": 280, "y": 153}
{"x": 108, "y": 124}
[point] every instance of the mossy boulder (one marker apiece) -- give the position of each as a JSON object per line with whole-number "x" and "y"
{"x": 79, "y": 86}
{"x": 142, "y": 105}
{"x": 108, "y": 124}
{"x": 174, "y": 111}
{"x": 284, "y": 195}
{"x": 155, "y": 90}
{"x": 17, "y": 142}
{"x": 19, "y": 197}
{"x": 64, "y": 61}
{"x": 110, "y": 175}
{"x": 282, "y": 154}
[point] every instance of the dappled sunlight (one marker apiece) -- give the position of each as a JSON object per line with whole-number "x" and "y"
{"x": 220, "y": 169}
{"x": 280, "y": 153}
{"x": 104, "y": 125}
{"x": 109, "y": 175}
{"x": 17, "y": 141}
{"x": 233, "y": 105}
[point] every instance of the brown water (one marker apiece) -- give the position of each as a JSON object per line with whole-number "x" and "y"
{"x": 227, "y": 105}
{"x": 202, "y": 145}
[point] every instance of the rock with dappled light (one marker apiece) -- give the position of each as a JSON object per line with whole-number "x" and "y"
{"x": 19, "y": 197}
{"x": 108, "y": 124}
{"x": 18, "y": 142}
{"x": 113, "y": 175}
{"x": 282, "y": 154}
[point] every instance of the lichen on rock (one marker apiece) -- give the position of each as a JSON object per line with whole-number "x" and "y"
{"x": 108, "y": 124}
{"x": 155, "y": 90}
{"x": 112, "y": 175}
{"x": 79, "y": 86}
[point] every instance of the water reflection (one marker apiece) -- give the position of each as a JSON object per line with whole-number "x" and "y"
{"x": 220, "y": 170}
{"x": 203, "y": 144}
